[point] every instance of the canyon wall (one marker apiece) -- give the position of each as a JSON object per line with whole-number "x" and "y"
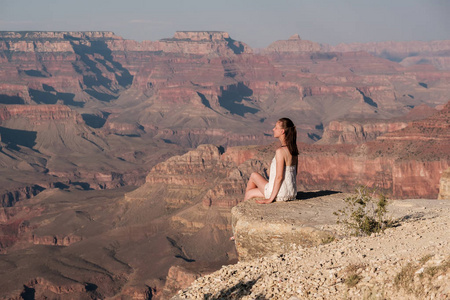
{"x": 224, "y": 93}
{"x": 409, "y": 53}
{"x": 82, "y": 111}
{"x": 357, "y": 132}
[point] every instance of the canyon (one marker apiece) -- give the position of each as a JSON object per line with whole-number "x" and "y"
{"x": 121, "y": 160}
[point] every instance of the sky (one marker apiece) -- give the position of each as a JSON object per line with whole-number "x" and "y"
{"x": 254, "y": 22}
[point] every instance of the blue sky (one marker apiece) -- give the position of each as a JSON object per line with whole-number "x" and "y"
{"x": 255, "y": 22}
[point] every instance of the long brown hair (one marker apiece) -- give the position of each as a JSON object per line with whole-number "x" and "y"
{"x": 290, "y": 133}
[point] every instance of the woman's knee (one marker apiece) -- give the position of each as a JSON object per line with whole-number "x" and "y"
{"x": 254, "y": 176}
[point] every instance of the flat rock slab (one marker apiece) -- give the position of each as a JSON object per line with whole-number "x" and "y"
{"x": 264, "y": 229}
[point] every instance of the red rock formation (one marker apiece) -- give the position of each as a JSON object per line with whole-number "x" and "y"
{"x": 404, "y": 163}
{"x": 56, "y": 240}
{"x": 10, "y": 196}
{"x": 409, "y": 53}
{"x": 178, "y": 278}
{"x": 210, "y": 78}
{"x": 357, "y": 132}
{"x": 38, "y": 114}
{"x": 185, "y": 178}
{"x": 293, "y": 44}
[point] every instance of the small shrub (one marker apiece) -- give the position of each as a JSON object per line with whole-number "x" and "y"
{"x": 328, "y": 239}
{"x": 352, "y": 277}
{"x": 425, "y": 258}
{"x": 352, "y": 280}
{"x": 439, "y": 269}
{"x": 406, "y": 277}
{"x": 363, "y": 214}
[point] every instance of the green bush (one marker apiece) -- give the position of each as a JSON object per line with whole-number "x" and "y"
{"x": 364, "y": 214}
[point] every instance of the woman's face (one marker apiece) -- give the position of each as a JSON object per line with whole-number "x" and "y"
{"x": 277, "y": 130}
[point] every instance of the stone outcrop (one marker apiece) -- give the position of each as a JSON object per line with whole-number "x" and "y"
{"x": 184, "y": 178}
{"x": 203, "y": 43}
{"x": 10, "y": 197}
{"x": 211, "y": 43}
{"x": 37, "y": 114}
{"x": 351, "y": 131}
{"x": 444, "y": 185}
{"x": 293, "y": 44}
{"x": 261, "y": 230}
{"x": 357, "y": 132}
{"x": 178, "y": 278}
{"x": 56, "y": 240}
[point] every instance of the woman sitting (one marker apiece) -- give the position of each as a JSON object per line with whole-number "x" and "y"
{"x": 283, "y": 170}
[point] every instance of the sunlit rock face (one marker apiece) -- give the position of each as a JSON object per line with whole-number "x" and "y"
{"x": 262, "y": 230}
{"x": 404, "y": 163}
{"x": 224, "y": 93}
{"x": 407, "y": 53}
{"x": 444, "y": 185}
{"x": 357, "y": 131}
{"x": 348, "y": 132}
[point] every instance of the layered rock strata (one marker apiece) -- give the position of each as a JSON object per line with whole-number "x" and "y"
{"x": 404, "y": 163}
{"x": 348, "y": 132}
{"x": 407, "y": 53}
{"x": 225, "y": 94}
{"x": 261, "y": 230}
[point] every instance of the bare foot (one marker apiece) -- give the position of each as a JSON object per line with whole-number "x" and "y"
{"x": 263, "y": 201}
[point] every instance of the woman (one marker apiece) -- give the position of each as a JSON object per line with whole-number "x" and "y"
{"x": 283, "y": 170}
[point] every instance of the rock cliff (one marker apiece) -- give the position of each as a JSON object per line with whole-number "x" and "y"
{"x": 409, "y": 261}
{"x": 404, "y": 163}
{"x": 261, "y": 230}
{"x": 407, "y": 53}
{"x": 357, "y": 132}
{"x": 224, "y": 93}
{"x": 444, "y": 185}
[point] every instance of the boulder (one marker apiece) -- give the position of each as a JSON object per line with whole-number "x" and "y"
{"x": 261, "y": 230}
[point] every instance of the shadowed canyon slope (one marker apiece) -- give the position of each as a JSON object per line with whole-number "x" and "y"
{"x": 81, "y": 112}
{"x": 123, "y": 241}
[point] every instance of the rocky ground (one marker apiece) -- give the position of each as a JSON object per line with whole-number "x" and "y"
{"x": 409, "y": 261}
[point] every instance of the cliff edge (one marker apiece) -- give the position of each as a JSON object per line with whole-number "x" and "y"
{"x": 262, "y": 230}
{"x": 409, "y": 261}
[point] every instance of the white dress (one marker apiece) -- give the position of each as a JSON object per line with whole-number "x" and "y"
{"x": 288, "y": 188}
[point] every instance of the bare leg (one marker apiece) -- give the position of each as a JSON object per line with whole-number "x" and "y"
{"x": 255, "y": 186}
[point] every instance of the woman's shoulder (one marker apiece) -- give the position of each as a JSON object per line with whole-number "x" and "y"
{"x": 280, "y": 150}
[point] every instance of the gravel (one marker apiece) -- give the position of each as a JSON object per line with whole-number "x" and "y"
{"x": 373, "y": 267}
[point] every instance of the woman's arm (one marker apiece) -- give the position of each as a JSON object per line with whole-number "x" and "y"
{"x": 279, "y": 176}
